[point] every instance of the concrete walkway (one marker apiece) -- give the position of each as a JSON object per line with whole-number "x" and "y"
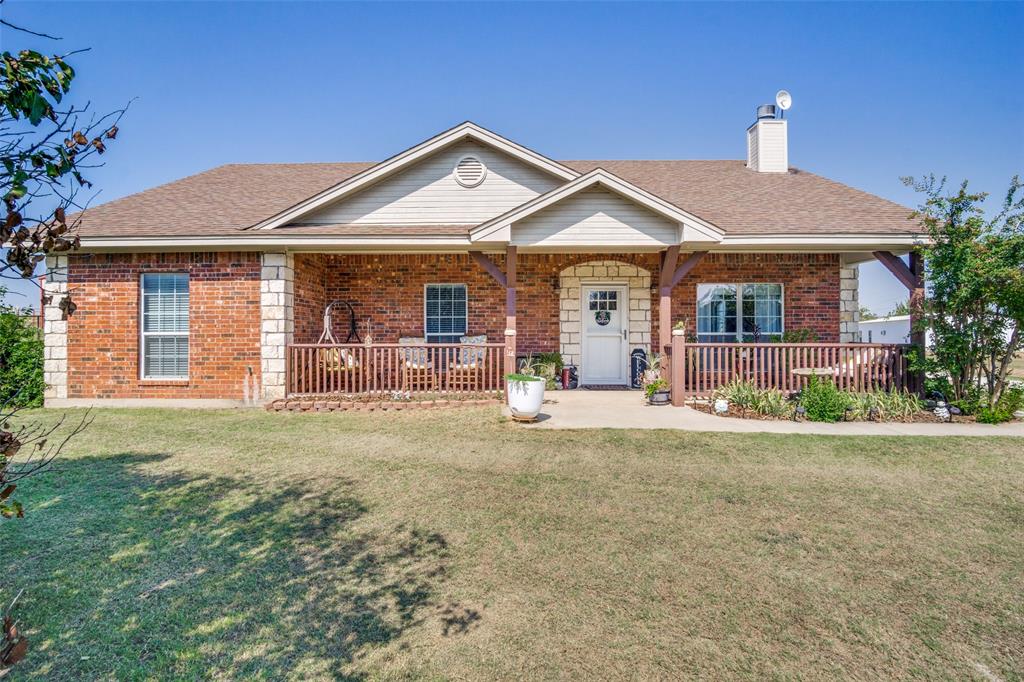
{"x": 626, "y": 410}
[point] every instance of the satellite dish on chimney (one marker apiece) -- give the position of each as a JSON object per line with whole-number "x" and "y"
{"x": 783, "y": 99}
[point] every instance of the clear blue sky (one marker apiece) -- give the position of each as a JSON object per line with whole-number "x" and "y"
{"x": 880, "y": 90}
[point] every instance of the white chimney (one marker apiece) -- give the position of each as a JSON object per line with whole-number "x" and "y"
{"x": 767, "y": 144}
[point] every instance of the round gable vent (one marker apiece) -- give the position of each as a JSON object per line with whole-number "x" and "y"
{"x": 470, "y": 171}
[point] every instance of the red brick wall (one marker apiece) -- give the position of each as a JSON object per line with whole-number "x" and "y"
{"x": 388, "y": 290}
{"x": 103, "y": 333}
{"x": 311, "y": 298}
{"x": 810, "y": 285}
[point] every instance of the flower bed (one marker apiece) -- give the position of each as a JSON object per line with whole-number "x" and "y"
{"x": 821, "y": 401}
{"x": 920, "y": 417}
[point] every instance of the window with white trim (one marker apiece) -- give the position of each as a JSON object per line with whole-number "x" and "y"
{"x": 728, "y": 313}
{"x": 445, "y": 316}
{"x": 164, "y": 325}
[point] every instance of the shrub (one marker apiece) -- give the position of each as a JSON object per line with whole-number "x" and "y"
{"x": 1009, "y": 402}
{"x": 745, "y": 395}
{"x": 554, "y": 358}
{"x": 545, "y": 370}
{"x": 738, "y": 393}
{"x": 800, "y": 336}
{"x": 898, "y": 404}
{"x": 824, "y": 402}
{"x": 772, "y": 402}
{"x": 888, "y": 406}
{"x": 21, "y": 360}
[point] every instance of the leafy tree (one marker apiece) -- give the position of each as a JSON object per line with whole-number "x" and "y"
{"x": 901, "y": 308}
{"x": 867, "y": 314}
{"x": 45, "y": 147}
{"x": 47, "y": 144}
{"x": 21, "y": 357}
{"x": 974, "y": 267}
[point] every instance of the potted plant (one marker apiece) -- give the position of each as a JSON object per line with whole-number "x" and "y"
{"x": 525, "y": 392}
{"x": 679, "y": 328}
{"x": 655, "y": 386}
{"x": 657, "y": 392}
{"x": 652, "y": 370}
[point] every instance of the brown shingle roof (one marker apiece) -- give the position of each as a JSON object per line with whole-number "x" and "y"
{"x": 219, "y": 201}
{"x": 227, "y": 199}
{"x": 741, "y": 201}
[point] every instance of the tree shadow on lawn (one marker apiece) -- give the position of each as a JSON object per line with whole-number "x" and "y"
{"x": 130, "y": 573}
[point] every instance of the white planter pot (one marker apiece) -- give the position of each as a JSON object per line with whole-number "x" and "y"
{"x": 524, "y": 398}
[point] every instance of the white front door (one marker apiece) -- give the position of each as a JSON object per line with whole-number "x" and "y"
{"x": 605, "y": 331}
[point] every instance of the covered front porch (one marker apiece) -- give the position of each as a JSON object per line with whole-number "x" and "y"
{"x": 451, "y": 325}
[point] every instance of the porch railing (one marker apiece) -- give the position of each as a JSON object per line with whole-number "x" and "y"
{"x": 697, "y": 369}
{"x": 386, "y": 369}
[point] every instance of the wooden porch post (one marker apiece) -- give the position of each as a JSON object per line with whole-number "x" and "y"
{"x": 913, "y": 278}
{"x": 668, "y": 269}
{"x": 677, "y": 382}
{"x": 917, "y": 337}
{"x": 510, "y": 310}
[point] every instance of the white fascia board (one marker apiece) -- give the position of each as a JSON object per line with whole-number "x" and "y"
{"x": 490, "y": 230}
{"x": 261, "y": 243}
{"x": 832, "y": 242}
{"x": 410, "y": 156}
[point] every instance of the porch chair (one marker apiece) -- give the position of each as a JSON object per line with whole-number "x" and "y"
{"x": 466, "y": 370}
{"x": 417, "y": 367}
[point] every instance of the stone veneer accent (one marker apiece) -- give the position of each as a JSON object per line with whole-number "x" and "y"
{"x": 55, "y": 329}
{"x": 277, "y": 320}
{"x": 572, "y": 279}
{"x": 849, "y": 304}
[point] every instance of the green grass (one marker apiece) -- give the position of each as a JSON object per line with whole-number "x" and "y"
{"x": 451, "y": 544}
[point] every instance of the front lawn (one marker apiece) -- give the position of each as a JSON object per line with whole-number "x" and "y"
{"x": 451, "y": 544}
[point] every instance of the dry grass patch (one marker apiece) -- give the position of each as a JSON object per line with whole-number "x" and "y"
{"x": 240, "y": 544}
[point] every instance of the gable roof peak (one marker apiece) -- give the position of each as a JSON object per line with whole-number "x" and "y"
{"x": 412, "y": 155}
{"x": 611, "y": 181}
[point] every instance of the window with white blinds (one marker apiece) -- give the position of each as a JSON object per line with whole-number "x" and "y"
{"x": 445, "y": 312}
{"x": 164, "y": 326}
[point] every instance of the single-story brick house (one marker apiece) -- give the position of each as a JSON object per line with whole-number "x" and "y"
{"x": 215, "y": 286}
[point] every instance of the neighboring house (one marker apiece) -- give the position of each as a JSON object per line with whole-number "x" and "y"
{"x": 891, "y": 329}
{"x": 203, "y": 287}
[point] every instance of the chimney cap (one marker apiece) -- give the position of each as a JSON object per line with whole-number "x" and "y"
{"x": 765, "y": 111}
